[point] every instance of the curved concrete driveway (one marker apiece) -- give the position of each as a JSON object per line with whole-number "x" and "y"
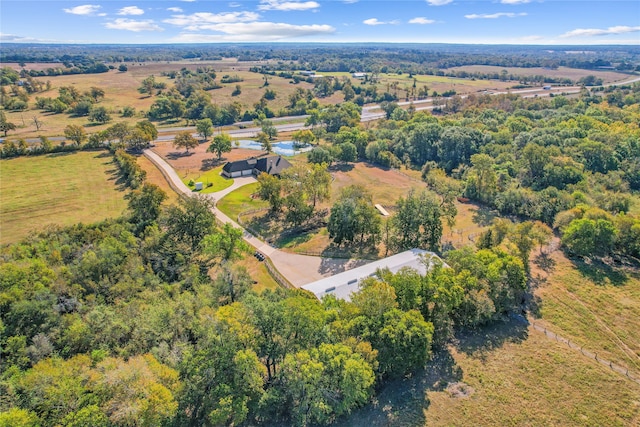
{"x": 297, "y": 269}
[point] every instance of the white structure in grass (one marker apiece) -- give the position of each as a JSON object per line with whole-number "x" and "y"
{"x": 342, "y": 285}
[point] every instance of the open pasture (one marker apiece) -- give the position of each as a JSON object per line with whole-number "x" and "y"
{"x": 121, "y": 90}
{"x": 560, "y": 72}
{"x": 64, "y": 189}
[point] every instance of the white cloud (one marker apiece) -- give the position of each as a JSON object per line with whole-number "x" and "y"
{"x": 494, "y": 15}
{"x": 132, "y": 25}
{"x": 13, "y": 38}
{"x": 131, "y": 10}
{"x": 421, "y": 20}
{"x": 349, "y": 1}
{"x": 438, "y": 2}
{"x": 620, "y": 29}
{"x": 515, "y": 1}
{"x": 255, "y": 31}
{"x": 287, "y": 5}
{"x": 373, "y": 21}
{"x": 235, "y": 4}
{"x": 205, "y": 20}
{"x": 85, "y": 9}
{"x": 174, "y": 9}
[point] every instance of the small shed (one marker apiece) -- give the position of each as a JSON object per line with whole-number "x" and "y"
{"x": 199, "y": 186}
{"x": 382, "y": 210}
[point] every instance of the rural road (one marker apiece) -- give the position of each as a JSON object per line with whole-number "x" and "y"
{"x": 369, "y": 113}
{"x": 297, "y": 269}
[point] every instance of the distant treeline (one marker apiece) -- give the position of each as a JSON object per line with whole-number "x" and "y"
{"x": 410, "y": 58}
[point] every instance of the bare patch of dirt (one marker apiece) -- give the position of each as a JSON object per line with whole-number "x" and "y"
{"x": 460, "y": 390}
{"x": 198, "y": 158}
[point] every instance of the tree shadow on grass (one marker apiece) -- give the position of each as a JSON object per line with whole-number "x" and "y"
{"x": 480, "y": 342}
{"x": 341, "y": 167}
{"x": 403, "y": 402}
{"x": 62, "y": 154}
{"x": 483, "y": 216}
{"x": 601, "y": 273}
{"x": 179, "y": 154}
{"x": 208, "y": 164}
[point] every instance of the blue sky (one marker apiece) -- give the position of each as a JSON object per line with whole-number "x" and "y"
{"x": 415, "y": 21}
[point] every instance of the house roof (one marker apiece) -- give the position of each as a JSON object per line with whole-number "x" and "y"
{"x": 342, "y": 285}
{"x": 273, "y": 165}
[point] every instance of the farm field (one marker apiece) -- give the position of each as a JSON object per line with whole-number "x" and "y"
{"x": 60, "y": 189}
{"x": 121, "y": 90}
{"x": 571, "y": 73}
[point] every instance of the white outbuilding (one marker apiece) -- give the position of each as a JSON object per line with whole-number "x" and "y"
{"x": 342, "y": 285}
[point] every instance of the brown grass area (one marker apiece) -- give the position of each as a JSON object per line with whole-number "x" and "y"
{"x": 198, "y": 159}
{"x": 154, "y": 176}
{"x": 595, "y": 305}
{"x": 121, "y": 90}
{"x": 571, "y": 73}
{"x": 506, "y": 375}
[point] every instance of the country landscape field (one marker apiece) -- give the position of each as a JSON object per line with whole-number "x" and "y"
{"x": 311, "y": 213}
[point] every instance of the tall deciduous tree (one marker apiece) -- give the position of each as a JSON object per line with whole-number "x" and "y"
{"x": 75, "y": 133}
{"x": 185, "y": 140}
{"x": 190, "y": 221}
{"x": 221, "y": 144}
{"x": 353, "y": 217}
{"x": 204, "y": 128}
{"x": 417, "y": 223}
{"x": 144, "y": 205}
{"x": 270, "y": 189}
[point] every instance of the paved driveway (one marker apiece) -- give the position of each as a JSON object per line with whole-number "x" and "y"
{"x": 298, "y": 269}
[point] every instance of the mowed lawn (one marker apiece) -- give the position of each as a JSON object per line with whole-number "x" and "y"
{"x": 60, "y": 189}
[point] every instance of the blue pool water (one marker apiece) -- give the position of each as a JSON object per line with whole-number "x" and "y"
{"x": 284, "y": 148}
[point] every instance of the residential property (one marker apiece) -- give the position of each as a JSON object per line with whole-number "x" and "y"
{"x": 307, "y": 73}
{"x": 342, "y": 285}
{"x": 273, "y": 165}
{"x": 358, "y": 75}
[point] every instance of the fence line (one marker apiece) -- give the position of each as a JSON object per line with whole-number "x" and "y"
{"x": 613, "y": 366}
{"x": 282, "y": 281}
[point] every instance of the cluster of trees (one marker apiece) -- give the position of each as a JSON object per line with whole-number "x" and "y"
{"x": 149, "y": 320}
{"x": 71, "y": 101}
{"x": 296, "y": 192}
{"x": 531, "y": 159}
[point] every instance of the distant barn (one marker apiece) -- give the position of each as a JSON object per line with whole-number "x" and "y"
{"x": 273, "y": 165}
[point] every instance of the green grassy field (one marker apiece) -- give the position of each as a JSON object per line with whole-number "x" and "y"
{"x": 211, "y": 180}
{"x": 56, "y": 189}
{"x": 240, "y": 201}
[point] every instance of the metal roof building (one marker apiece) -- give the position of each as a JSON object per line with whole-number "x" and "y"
{"x": 342, "y": 285}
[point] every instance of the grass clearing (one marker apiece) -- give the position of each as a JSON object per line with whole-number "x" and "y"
{"x": 154, "y": 176}
{"x": 594, "y": 305}
{"x": 240, "y": 201}
{"x": 506, "y": 375}
{"x": 570, "y": 73}
{"x": 211, "y": 180}
{"x": 65, "y": 189}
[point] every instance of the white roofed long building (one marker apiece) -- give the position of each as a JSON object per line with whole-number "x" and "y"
{"x": 342, "y": 285}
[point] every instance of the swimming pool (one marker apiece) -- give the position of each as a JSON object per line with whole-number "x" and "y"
{"x": 284, "y": 148}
